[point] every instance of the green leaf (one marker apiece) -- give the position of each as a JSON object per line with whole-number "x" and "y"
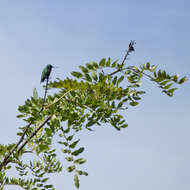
{"x": 182, "y": 80}
{"x": 65, "y": 143}
{"x": 155, "y": 74}
{"x": 133, "y": 103}
{"x": 80, "y": 161}
{"x": 118, "y": 128}
{"x": 94, "y": 76}
{"x": 66, "y": 151}
{"x": 77, "y": 74}
{"x": 35, "y": 93}
{"x": 89, "y": 66}
{"x": 83, "y": 69}
{"x": 80, "y": 172}
{"x": 76, "y": 181}
{"x": 119, "y": 105}
{"x": 43, "y": 147}
{"x": 108, "y": 62}
{"x": 95, "y": 65}
{"x": 114, "y": 63}
{"x": 70, "y": 168}
{"x": 41, "y": 175}
{"x": 175, "y": 78}
{"x": 48, "y": 132}
{"x": 120, "y": 80}
{"x": 164, "y": 74}
{"x": 114, "y": 80}
{"x": 67, "y": 130}
{"x": 90, "y": 123}
{"x": 172, "y": 90}
{"x": 168, "y": 86}
{"x": 88, "y": 78}
{"x": 102, "y": 62}
{"x": 77, "y": 152}
{"x": 164, "y": 82}
{"x": 147, "y": 65}
{"x": 159, "y": 74}
{"x": 124, "y": 126}
{"x": 48, "y": 186}
{"x": 39, "y": 185}
{"x": 20, "y": 116}
{"x": 70, "y": 138}
{"x": 45, "y": 179}
{"x": 69, "y": 159}
{"x": 73, "y": 145}
{"x": 113, "y": 104}
{"x": 153, "y": 68}
{"x": 19, "y": 134}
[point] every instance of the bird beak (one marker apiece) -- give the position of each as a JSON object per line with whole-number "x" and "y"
{"x": 55, "y": 67}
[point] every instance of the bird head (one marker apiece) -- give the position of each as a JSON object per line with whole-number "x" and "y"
{"x": 49, "y": 66}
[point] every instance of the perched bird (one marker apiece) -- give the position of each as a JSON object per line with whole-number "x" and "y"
{"x": 46, "y": 72}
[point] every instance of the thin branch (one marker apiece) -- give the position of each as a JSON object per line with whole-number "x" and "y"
{"x": 130, "y": 49}
{"x": 5, "y": 161}
{"x": 45, "y": 94}
{"x": 58, "y": 99}
{"x": 34, "y": 133}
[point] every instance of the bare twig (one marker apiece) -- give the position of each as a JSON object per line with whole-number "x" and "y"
{"x": 45, "y": 94}
{"x": 130, "y": 49}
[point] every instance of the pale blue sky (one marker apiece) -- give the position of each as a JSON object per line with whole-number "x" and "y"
{"x": 153, "y": 152}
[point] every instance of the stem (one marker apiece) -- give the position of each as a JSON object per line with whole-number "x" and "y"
{"x": 45, "y": 94}
{"x": 34, "y": 133}
{"x": 5, "y": 161}
{"x": 130, "y": 49}
{"x": 134, "y": 70}
{"x": 58, "y": 99}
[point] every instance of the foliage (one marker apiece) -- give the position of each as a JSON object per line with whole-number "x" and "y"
{"x": 97, "y": 95}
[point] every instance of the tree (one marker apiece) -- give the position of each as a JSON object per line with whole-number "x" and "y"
{"x": 98, "y": 94}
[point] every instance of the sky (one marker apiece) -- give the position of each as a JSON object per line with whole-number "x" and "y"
{"x": 153, "y": 152}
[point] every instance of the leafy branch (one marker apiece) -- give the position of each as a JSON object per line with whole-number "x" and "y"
{"x": 94, "y": 97}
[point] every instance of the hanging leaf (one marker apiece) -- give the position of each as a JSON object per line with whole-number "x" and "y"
{"x": 182, "y": 80}
{"x": 133, "y": 103}
{"x": 120, "y": 80}
{"x": 80, "y": 161}
{"x": 70, "y": 168}
{"x": 77, "y": 74}
{"x": 76, "y": 181}
{"x": 77, "y": 152}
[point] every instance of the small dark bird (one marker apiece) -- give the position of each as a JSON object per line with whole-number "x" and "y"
{"x": 46, "y": 72}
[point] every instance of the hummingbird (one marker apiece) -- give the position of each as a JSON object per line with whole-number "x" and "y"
{"x": 46, "y": 73}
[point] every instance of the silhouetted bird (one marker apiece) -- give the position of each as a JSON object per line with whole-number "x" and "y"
{"x": 46, "y": 72}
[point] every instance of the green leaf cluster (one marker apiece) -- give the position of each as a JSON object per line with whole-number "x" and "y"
{"x": 97, "y": 95}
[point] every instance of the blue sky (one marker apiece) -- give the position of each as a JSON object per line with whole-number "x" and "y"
{"x": 153, "y": 152}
